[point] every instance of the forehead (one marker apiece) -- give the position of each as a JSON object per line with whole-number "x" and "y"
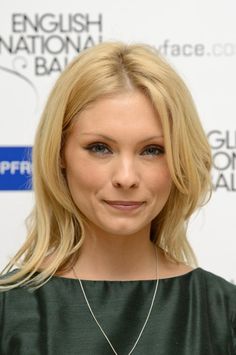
{"x": 132, "y": 111}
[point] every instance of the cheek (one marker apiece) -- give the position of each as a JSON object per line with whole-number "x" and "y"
{"x": 160, "y": 180}
{"x": 83, "y": 177}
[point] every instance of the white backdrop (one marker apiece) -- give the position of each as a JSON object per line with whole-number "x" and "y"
{"x": 198, "y": 39}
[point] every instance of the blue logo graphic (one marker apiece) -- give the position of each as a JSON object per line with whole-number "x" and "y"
{"x": 15, "y": 168}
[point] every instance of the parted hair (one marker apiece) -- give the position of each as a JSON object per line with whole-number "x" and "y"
{"x": 55, "y": 225}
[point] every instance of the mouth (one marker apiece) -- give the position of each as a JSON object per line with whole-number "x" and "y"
{"x": 125, "y": 205}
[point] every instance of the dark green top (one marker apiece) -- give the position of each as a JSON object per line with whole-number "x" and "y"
{"x": 193, "y": 314}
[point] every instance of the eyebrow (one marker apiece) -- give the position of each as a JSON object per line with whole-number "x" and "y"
{"x": 114, "y": 141}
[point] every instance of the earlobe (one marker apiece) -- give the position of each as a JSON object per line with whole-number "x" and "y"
{"x": 62, "y": 162}
{"x": 62, "y": 165}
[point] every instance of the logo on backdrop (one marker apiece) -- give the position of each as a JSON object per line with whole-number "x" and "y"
{"x": 43, "y": 44}
{"x": 169, "y": 47}
{"x": 223, "y": 144}
{"x": 15, "y": 168}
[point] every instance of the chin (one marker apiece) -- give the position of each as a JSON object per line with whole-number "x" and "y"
{"x": 122, "y": 230}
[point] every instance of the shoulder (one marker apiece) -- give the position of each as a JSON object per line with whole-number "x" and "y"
{"x": 12, "y": 300}
{"x": 213, "y": 281}
{"x": 21, "y": 299}
{"x": 209, "y": 283}
{"x": 13, "y": 291}
{"x": 220, "y": 296}
{"x": 218, "y": 291}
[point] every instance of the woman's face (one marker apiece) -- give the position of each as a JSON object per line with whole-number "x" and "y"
{"x": 115, "y": 152}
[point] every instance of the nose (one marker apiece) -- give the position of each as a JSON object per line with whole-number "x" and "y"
{"x": 125, "y": 174}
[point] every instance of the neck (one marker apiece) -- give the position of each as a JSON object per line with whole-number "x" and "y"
{"x": 117, "y": 257}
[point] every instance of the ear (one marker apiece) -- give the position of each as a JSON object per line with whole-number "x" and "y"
{"x": 62, "y": 159}
{"x": 62, "y": 164}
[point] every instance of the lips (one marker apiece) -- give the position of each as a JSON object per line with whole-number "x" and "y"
{"x": 124, "y": 206}
{"x": 124, "y": 203}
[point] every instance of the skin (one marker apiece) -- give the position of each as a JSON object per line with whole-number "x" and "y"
{"x": 117, "y": 244}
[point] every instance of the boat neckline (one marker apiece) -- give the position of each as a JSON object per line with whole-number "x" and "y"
{"x": 189, "y": 273}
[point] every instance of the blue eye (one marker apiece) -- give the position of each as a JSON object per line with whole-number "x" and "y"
{"x": 100, "y": 148}
{"x": 157, "y": 149}
{"x": 93, "y": 148}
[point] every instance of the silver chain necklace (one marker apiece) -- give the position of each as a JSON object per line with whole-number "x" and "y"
{"x": 145, "y": 323}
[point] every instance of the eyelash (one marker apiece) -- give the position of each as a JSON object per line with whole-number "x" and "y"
{"x": 160, "y": 149}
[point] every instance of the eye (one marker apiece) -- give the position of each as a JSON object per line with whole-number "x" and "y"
{"x": 97, "y": 148}
{"x": 101, "y": 149}
{"x": 155, "y": 150}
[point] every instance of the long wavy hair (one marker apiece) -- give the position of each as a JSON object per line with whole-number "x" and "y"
{"x": 55, "y": 225}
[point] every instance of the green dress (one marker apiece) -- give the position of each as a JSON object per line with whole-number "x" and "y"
{"x": 193, "y": 314}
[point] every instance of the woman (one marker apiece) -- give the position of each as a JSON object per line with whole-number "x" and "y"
{"x": 121, "y": 162}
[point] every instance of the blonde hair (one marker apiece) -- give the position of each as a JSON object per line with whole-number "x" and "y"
{"x": 55, "y": 225}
